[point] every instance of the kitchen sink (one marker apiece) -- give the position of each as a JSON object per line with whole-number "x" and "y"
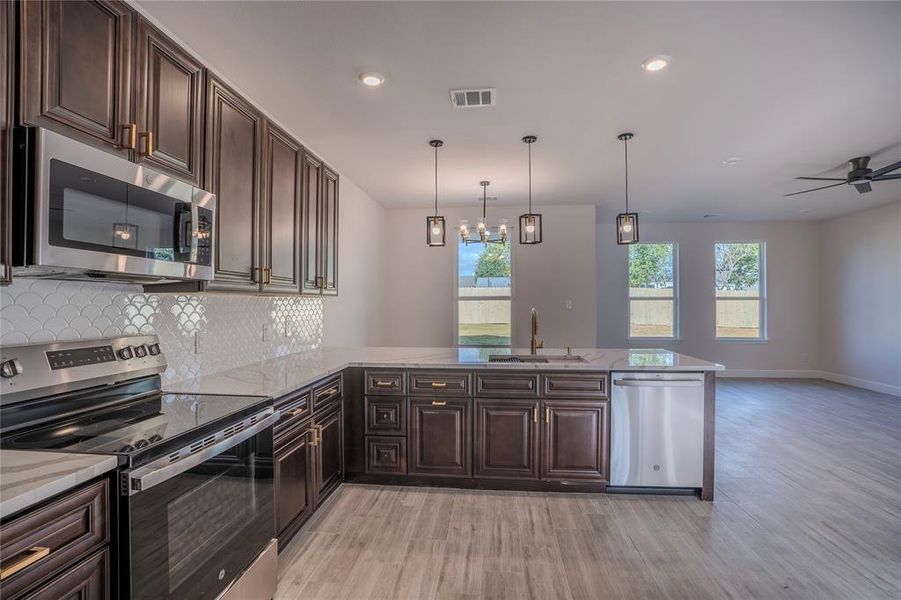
{"x": 532, "y": 358}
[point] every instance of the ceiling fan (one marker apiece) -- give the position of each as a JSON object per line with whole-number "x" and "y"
{"x": 860, "y": 176}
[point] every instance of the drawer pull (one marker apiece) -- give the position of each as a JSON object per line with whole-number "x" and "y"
{"x": 330, "y": 391}
{"x": 295, "y": 412}
{"x": 438, "y": 402}
{"x": 384, "y": 384}
{"x": 35, "y": 554}
{"x": 439, "y": 384}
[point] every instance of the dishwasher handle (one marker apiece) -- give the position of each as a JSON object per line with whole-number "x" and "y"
{"x": 659, "y": 382}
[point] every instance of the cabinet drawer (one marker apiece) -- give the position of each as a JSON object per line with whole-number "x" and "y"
{"x": 442, "y": 384}
{"x": 385, "y": 415}
{"x": 385, "y": 382}
{"x": 327, "y": 393}
{"x": 64, "y": 530}
{"x": 386, "y": 455}
{"x": 576, "y": 385}
{"x": 294, "y": 410}
{"x": 88, "y": 580}
{"x": 517, "y": 385}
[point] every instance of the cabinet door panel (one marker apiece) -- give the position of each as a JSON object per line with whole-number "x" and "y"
{"x": 310, "y": 224}
{"x": 281, "y": 201}
{"x": 330, "y": 232}
{"x": 169, "y": 105}
{"x": 440, "y": 437}
{"x": 507, "y": 439}
{"x": 386, "y": 455}
{"x": 88, "y": 580}
{"x": 576, "y": 440}
{"x": 293, "y": 494}
{"x": 385, "y": 415}
{"x": 76, "y": 69}
{"x": 233, "y": 157}
{"x": 330, "y": 453}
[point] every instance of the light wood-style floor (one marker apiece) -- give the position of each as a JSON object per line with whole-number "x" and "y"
{"x": 808, "y": 505}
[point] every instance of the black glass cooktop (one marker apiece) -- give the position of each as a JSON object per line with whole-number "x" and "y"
{"x": 150, "y": 425}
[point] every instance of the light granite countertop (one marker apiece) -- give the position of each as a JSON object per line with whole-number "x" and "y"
{"x": 28, "y": 477}
{"x": 284, "y": 374}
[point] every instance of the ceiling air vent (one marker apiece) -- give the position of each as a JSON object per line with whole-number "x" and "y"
{"x": 473, "y": 98}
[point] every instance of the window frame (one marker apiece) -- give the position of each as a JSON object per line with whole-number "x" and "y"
{"x": 761, "y": 295}
{"x": 457, "y": 298}
{"x": 677, "y": 334}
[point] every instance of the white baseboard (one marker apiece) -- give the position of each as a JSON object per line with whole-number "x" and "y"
{"x": 787, "y": 374}
{"x": 876, "y": 386}
{"x": 866, "y": 384}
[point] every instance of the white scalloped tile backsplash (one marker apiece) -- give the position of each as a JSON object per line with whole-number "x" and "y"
{"x": 233, "y": 330}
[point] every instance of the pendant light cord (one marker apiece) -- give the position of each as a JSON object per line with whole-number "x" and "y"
{"x": 436, "y": 180}
{"x": 626, "y": 153}
{"x": 530, "y": 178}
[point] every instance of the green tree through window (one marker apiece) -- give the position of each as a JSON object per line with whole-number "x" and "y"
{"x": 494, "y": 261}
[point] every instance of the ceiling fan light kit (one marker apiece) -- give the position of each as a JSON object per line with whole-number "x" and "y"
{"x": 860, "y": 175}
{"x": 530, "y": 223}
{"x": 435, "y": 224}
{"x": 626, "y": 222}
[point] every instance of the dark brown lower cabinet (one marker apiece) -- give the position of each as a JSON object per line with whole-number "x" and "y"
{"x": 328, "y": 453}
{"x": 293, "y": 469}
{"x": 507, "y": 436}
{"x": 440, "y": 437}
{"x": 575, "y": 440}
{"x": 88, "y": 580}
{"x": 386, "y": 455}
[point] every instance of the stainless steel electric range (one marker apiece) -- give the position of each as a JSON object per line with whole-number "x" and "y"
{"x": 195, "y": 498}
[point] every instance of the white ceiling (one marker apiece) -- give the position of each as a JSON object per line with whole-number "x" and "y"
{"x": 791, "y": 88}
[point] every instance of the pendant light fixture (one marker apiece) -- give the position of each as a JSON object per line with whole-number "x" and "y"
{"x": 484, "y": 233}
{"x": 435, "y": 224}
{"x": 626, "y": 223}
{"x": 530, "y": 223}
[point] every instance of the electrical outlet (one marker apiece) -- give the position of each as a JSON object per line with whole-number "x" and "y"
{"x": 568, "y": 304}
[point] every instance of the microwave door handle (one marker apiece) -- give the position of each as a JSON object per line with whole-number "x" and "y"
{"x": 161, "y": 470}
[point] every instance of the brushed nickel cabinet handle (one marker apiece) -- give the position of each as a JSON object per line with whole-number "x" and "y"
{"x": 35, "y": 554}
{"x": 147, "y": 136}
{"x": 439, "y": 384}
{"x": 132, "y": 139}
{"x": 438, "y": 402}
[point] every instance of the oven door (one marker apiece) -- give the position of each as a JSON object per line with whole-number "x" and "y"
{"x": 98, "y": 212}
{"x": 190, "y": 534}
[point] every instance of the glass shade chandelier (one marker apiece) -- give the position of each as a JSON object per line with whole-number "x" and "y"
{"x": 435, "y": 224}
{"x": 530, "y": 223}
{"x": 626, "y": 222}
{"x": 484, "y": 233}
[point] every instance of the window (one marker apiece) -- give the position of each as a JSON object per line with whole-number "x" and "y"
{"x": 484, "y": 294}
{"x": 740, "y": 298}
{"x": 653, "y": 291}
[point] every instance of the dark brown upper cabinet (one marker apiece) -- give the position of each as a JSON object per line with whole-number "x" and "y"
{"x": 280, "y": 235}
{"x": 576, "y": 440}
{"x": 7, "y": 74}
{"x": 169, "y": 106}
{"x": 320, "y": 228}
{"x": 233, "y": 139}
{"x": 76, "y": 70}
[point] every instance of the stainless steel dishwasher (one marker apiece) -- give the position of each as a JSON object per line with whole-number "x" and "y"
{"x": 657, "y": 430}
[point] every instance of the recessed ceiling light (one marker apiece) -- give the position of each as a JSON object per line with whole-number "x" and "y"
{"x": 732, "y": 161}
{"x": 656, "y": 63}
{"x": 372, "y": 79}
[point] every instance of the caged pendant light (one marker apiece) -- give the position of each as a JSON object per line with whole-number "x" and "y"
{"x": 435, "y": 224}
{"x": 530, "y": 223}
{"x": 626, "y": 223}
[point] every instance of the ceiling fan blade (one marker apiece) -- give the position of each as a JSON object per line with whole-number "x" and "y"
{"x": 886, "y": 177}
{"x": 822, "y": 178}
{"x": 886, "y": 169}
{"x": 863, "y": 188}
{"x": 816, "y": 189}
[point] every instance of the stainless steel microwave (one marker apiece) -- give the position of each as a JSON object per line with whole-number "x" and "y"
{"x": 80, "y": 212}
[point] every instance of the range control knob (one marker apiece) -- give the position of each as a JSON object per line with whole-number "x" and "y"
{"x": 154, "y": 349}
{"x": 140, "y": 351}
{"x": 10, "y": 368}
{"x": 125, "y": 353}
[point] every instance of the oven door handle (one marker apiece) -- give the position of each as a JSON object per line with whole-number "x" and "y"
{"x": 154, "y": 473}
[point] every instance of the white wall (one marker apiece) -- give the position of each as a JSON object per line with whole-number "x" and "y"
{"x": 792, "y": 298}
{"x": 860, "y": 291}
{"x": 418, "y": 292}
